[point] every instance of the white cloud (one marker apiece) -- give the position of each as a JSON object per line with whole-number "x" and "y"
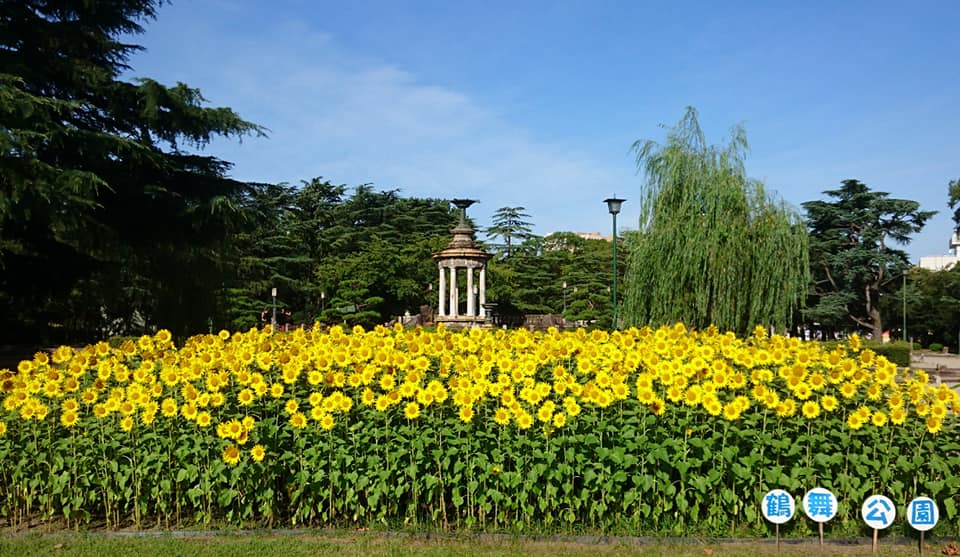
{"x": 352, "y": 121}
{"x": 338, "y": 111}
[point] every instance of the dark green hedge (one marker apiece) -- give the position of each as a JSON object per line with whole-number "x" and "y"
{"x": 897, "y": 351}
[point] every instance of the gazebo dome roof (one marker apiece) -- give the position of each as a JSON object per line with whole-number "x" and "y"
{"x": 462, "y": 246}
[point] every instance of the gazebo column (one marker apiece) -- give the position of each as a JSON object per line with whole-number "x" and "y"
{"x": 454, "y": 298}
{"x": 443, "y": 291}
{"x": 471, "y": 297}
{"x": 483, "y": 290}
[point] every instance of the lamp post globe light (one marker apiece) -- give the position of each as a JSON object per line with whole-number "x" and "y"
{"x": 613, "y": 205}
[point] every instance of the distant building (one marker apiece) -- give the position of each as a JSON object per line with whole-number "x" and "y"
{"x": 585, "y": 235}
{"x": 592, "y": 236}
{"x": 554, "y": 243}
{"x": 942, "y": 262}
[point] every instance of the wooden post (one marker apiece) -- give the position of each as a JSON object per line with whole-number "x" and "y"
{"x": 778, "y": 537}
{"x": 874, "y": 540}
{"x": 821, "y": 532}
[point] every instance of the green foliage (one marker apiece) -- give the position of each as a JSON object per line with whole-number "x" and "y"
{"x": 108, "y": 224}
{"x": 277, "y": 249}
{"x": 897, "y": 352}
{"x": 851, "y": 256}
{"x": 714, "y": 247}
{"x": 935, "y": 347}
{"x": 933, "y": 305}
{"x": 374, "y": 249}
{"x": 510, "y": 225}
{"x": 622, "y": 470}
{"x": 532, "y": 280}
{"x": 151, "y": 435}
{"x": 360, "y": 257}
{"x": 953, "y": 193}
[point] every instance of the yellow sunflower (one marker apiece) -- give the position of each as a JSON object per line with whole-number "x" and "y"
{"x": 231, "y": 455}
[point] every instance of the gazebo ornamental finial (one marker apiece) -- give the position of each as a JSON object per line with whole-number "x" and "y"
{"x": 462, "y": 204}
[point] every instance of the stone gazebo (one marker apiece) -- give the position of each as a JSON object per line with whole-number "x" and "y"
{"x": 462, "y": 257}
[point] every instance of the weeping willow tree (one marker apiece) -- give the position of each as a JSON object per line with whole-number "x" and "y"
{"x": 714, "y": 247}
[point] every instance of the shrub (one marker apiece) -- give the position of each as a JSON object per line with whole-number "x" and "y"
{"x": 897, "y": 351}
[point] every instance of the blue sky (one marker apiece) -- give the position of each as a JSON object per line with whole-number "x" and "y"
{"x": 536, "y": 104}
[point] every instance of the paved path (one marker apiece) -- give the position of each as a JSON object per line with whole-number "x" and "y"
{"x": 943, "y": 368}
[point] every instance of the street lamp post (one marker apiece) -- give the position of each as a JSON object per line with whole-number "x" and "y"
{"x": 273, "y": 320}
{"x": 905, "y": 307}
{"x": 564, "y": 296}
{"x": 613, "y": 205}
{"x": 323, "y": 302}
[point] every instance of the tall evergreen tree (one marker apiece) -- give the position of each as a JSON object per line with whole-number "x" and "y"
{"x": 105, "y": 204}
{"x": 713, "y": 247}
{"x": 274, "y": 251}
{"x": 533, "y": 280}
{"x": 361, "y": 257}
{"x": 511, "y": 226}
{"x": 375, "y": 253}
{"x": 851, "y": 252}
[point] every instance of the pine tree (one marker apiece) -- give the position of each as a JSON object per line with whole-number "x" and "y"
{"x": 106, "y": 204}
{"x": 510, "y": 224}
{"x": 851, "y": 251}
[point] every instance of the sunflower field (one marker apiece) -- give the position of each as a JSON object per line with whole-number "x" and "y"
{"x": 640, "y": 431}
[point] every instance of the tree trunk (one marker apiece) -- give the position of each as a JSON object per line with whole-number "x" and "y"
{"x": 877, "y": 324}
{"x": 873, "y": 311}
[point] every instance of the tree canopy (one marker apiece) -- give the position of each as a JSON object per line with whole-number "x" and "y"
{"x": 714, "y": 248}
{"x": 851, "y": 252}
{"x": 932, "y": 303}
{"x": 953, "y": 193}
{"x": 510, "y": 224}
{"x": 383, "y": 261}
{"x": 335, "y": 254}
{"x": 532, "y": 281}
{"x": 103, "y": 196}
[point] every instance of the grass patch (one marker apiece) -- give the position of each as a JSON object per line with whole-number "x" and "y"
{"x": 362, "y": 545}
